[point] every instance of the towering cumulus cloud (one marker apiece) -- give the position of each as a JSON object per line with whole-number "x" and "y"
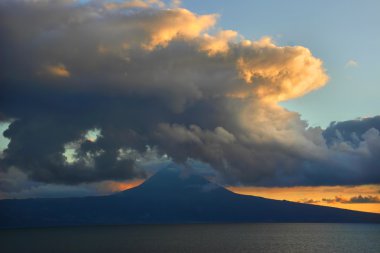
{"x": 155, "y": 79}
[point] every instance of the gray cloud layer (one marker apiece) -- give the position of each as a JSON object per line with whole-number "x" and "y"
{"x": 148, "y": 76}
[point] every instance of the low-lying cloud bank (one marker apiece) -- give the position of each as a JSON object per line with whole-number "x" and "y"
{"x": 339, "y": 199}
{"x": 353, "y": 200}
{"x": 162, "y": 83}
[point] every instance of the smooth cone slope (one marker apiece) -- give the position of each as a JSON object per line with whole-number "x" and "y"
{"x": 168, "y": 197}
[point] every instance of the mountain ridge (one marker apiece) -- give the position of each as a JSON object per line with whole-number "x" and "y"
{"x": 169, "y": 197}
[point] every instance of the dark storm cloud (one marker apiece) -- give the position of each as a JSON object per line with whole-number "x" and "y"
{"x": 350, "y": 131}
{"x": 153, "y": 78}
{"x": 36, "y": 147}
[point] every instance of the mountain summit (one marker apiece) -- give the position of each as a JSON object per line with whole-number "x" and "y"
{"x": 171, "y": 181}
{"x": 168, "y": 197}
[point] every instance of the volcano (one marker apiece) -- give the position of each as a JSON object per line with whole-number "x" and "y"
{"x": 169, "y": 197}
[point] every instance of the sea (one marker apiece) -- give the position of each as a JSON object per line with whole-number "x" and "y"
{"x": 197, "y": 238}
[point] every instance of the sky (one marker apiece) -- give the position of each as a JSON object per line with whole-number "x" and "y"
{"x": 343, "y": 34}
{"x": 98, "y": 95}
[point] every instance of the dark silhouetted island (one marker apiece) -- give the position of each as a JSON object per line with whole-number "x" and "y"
{"x": 169, "y": 197}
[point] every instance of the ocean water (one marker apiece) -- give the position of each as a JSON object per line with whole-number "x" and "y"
{"x": 197, "y": 238}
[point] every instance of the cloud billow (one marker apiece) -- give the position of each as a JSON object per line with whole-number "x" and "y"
{"x": 152, "y": 77}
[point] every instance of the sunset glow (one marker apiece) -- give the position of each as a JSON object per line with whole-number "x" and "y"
{"x": 334, "y": 196}
{"x": 121, "y": 186}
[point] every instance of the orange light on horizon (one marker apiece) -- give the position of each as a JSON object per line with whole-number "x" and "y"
{"x": 332, "y": 196}
{"x": 112, "y": 186}
{"x": 131, "y": 184}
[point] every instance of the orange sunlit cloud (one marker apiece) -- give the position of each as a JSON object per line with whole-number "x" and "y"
{"x": 112, "y": 186}
{"x": 58, "y": 70}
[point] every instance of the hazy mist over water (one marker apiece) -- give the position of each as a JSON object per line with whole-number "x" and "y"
{"x": 228, "y": 238}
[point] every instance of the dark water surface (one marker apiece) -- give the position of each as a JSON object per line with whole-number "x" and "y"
{"x": 220, "y": 238}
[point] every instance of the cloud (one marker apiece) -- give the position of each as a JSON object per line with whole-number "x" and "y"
{"x": 353, "y": 200}
{"x": 166, "y": 25}
{"x": 160, "y": 79}
{"x": 58, "y": 70}
{"x": 218, "y": 43}
{"x": 309, "y": 201}
{"x": 350, "y": 131}
{"x": 288, "y": 73}
{"x": 352, "y": 64}
{"x": 365, "y": 199}
{"x": 337, "y": 199}
{"x": 15, "y": 184}
{"x": 133, "y": 4}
